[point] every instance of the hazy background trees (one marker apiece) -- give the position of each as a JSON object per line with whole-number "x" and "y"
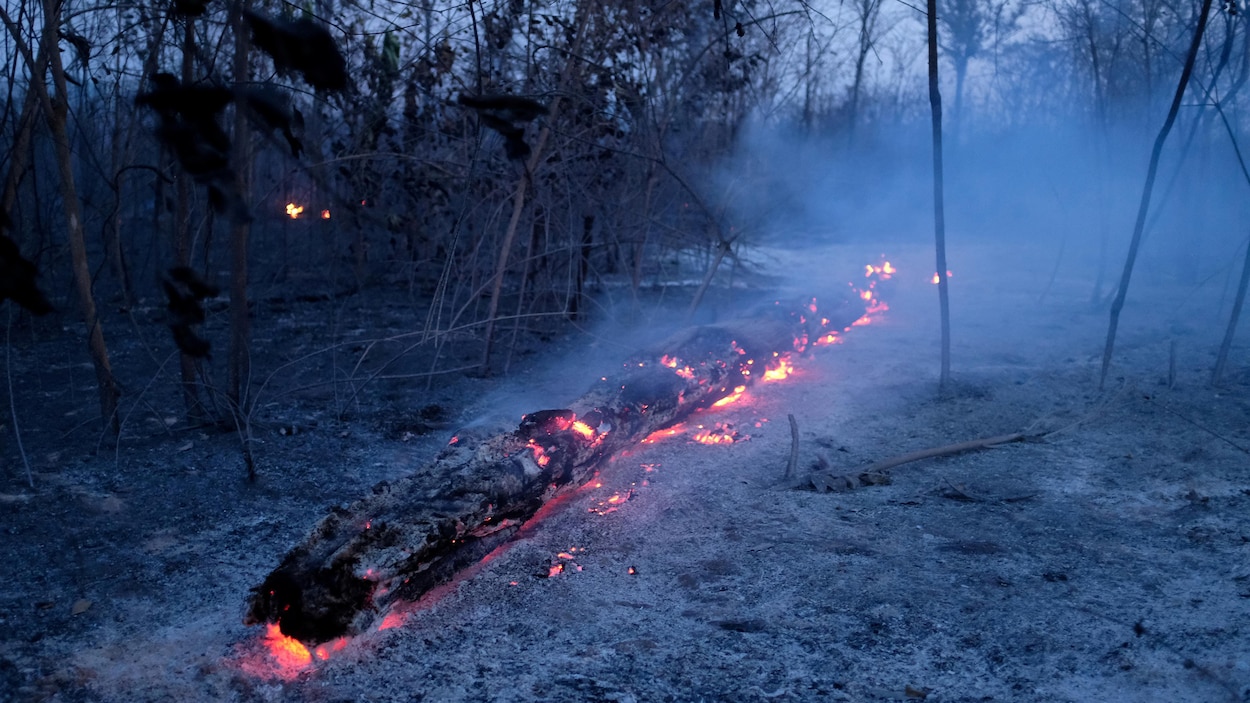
{"x": 675, "y": 136}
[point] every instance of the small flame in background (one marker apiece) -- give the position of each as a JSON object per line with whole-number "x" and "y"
{"x": 937, "y": 279}
{"x": 325, "y": 214}
{"x": 293, "y": 211}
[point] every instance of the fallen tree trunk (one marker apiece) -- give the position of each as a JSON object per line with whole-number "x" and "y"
{"x": 413, "y": 534}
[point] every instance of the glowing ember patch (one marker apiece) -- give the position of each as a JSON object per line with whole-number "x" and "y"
{"x": 781, "y": 369}
{"x": 325, "y": 214}
{"x": 583, "y": 429}
{"x": 555, "y": 570}
{"x": 866, "y": 295}
{"x": 289, "y": 653}
{"x": 324, "y": 651}
{"x": 937, "y": 279}
{"x": 667, "y": 432}
{"x": 722, "y": 433}
{"x": 738, "y": 391}
{"x": 540, "y": 454}
{"x": 632, "y": 571}
{"x": 293, "y": 211}
{"x": 686, "y": 372}
{"x": 669, "y": 361}
{"x": 392, "y": 619}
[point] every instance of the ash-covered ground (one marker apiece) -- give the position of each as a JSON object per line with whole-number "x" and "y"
{"x": 1106, "y": 559}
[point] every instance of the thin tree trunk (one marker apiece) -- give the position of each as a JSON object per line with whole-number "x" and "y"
{"x": 939, "y": 207}
{"x": 240, "y": 230}
{"x": 1118, "y": 304}
{"x": 182, "y": 237}
{"x": 56, "y": 115}
{"x": 1221, "y": 359}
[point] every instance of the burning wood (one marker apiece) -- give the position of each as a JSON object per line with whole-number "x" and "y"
{"x": 413, "y": 534}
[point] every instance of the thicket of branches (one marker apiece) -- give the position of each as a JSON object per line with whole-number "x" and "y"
{"x": 491, "y": 214}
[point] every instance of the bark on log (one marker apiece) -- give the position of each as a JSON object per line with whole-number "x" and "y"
{"x": 415, "y": 533}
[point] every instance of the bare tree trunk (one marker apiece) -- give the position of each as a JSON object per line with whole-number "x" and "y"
{"x": 939, "y": 207}
{"x": 196, "y": 412}
{"x": 56, "y": 114}
{"x": 1118, "y": 304}
{"x": 1221, "y": 359}
{"x": 240, "y": 230}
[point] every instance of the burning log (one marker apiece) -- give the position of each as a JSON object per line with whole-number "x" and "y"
{"x": 415, "y": 533}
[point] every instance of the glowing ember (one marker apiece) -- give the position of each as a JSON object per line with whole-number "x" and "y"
{"x": 610, "y": 504}
{"x": 323, "y": 651}
{"x": 293, "y": 211}
{"x": 722, "y": 433}
{"x": 885, "y": 271}
{"x": 738, "y": 391}
{"x": 667, "y": 432}
{"x": 392, "y": 619}
{"x": 937, "y": 279}
{"x": 583, "y": 429}
{"x": 325, "y": 214}
{"x": 540, "y": 454}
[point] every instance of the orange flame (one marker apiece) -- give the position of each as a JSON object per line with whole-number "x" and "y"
{"x": 325, "y": 214}
{"x": 293, "y": 211}
{"x": 288, "y": 653}
{"x": 781, "y": 368}
{"x": 937, "y": 279}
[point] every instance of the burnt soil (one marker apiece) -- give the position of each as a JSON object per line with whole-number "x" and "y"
{"x": 1108, "y": 558}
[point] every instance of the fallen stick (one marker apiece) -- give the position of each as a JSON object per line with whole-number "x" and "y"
{"x": 793, "y": 464}
{"x": 945, "y": 450}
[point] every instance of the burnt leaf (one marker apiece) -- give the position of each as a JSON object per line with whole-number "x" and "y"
{"x": 185, "y": 289}
{"x": 300, "y": 46}
{"x": 508, "y": 107}
{"x": 270, "y": 108}
{"x": 190, "y": 8}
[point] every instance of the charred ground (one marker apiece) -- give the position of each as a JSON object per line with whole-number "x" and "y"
{"x": 1106, "y": 562}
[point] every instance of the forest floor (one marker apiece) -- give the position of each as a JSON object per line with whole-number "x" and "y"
{"x": 1107, "y": 559}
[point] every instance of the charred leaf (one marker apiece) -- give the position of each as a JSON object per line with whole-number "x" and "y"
{"x": 300, "y": 46}
{"x": 186, "y": 291}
